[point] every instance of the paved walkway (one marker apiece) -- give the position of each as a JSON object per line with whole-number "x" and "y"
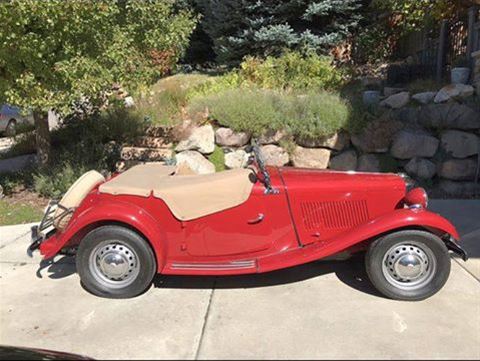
{"x": 320, "y": 310}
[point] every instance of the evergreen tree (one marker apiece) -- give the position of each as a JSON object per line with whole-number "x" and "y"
{"x": 266, "y": 27}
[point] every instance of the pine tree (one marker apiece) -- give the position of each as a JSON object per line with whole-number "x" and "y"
{"x": 267, "y": 27}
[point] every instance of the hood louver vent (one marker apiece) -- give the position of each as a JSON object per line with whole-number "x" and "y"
{"x": 334, "y": 215}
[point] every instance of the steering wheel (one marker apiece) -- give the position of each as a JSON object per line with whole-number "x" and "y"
{"x": 260, "y": 162}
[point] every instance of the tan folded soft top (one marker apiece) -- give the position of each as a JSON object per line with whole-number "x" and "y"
{"x": 188, "y": 196}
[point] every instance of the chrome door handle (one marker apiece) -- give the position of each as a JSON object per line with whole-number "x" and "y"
{"x": 260, "y": 218}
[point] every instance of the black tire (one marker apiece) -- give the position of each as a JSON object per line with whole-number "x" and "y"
{"x": 145, "y": 269}
{"x": 11, "y": 129}
{"x": 425, "y": 241}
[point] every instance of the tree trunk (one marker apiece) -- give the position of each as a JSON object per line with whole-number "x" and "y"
{"x": 42, "y": 137}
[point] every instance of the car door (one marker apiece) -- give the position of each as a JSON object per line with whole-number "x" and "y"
{"x": 243, "y": 229}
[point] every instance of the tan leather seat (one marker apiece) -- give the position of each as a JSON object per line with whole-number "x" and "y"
{"x": 75, "y": 195}
{"x": 188, "y": 196}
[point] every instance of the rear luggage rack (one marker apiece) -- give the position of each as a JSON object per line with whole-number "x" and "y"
{"x": 47, "y": 224}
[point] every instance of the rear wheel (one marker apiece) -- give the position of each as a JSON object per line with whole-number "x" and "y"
{"x": 11, "y": 128}
{"x": 408, "y": 265}
{"x": 115, "y": 262}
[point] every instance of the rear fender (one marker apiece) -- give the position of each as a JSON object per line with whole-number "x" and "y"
{"x": 100, "y": 213}
{"x": 397, "y": 220}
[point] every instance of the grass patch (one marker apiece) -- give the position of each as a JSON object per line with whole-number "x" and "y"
{"x": 18, "y": 213}
{"x": 218, "y": 159}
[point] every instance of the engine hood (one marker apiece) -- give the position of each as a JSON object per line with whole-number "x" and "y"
{"x": 299, "y": 178}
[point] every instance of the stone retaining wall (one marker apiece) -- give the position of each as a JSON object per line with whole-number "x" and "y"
{"x": 432, "y": 136}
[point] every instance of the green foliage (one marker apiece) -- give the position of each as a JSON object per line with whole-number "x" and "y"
{"x": 57, "y": 179}
{"x": 256, "y": 111}
{"x": 166, "y": 99}
{"x": 53, "y": 53}
{"x": 292, "y": 70}
{"x": 18, "y": 213}
{"x": 315, "y": 115}
{"x": 217, "y": 84}
{"x": 80, "y": 145}
{"x": 218, "y": 159}
{"x": 263, "y": 28}
{"x": 239, "y": 109}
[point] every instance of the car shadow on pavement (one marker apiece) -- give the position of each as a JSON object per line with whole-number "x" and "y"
{"x": 351, "y": 272}
{"x": 57, "y": 269}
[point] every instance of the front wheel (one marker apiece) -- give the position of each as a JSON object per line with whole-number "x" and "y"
{"x": 408, "y": 265}
{"x": 115, "y": 262}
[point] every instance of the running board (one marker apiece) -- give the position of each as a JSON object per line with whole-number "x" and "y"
{"x": 248, "y": 266}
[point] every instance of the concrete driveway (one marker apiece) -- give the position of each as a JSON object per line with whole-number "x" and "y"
{"x": 320, "y": 310}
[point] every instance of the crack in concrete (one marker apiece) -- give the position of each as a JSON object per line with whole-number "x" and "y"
{"x": 466, "y": 269}
{"x": 205, "y": 320}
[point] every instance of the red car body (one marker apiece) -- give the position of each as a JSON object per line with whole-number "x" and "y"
{"x": 314, "y": 214}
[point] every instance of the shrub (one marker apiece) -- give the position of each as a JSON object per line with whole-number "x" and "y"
{"x": 256, "y": 111}
{"x": 292, "y": 71}
{"x": 82, "y": 145}
{"x": 166, "y": 99}
{"x": 56, "y": 181}
{"x": 215, "y": 85}
{"x": 316, "y": 114}
{"x": 241, "y": 110}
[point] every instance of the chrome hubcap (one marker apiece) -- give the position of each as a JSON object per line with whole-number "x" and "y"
{"x": 409, "y": 266}
{"x": 114, "y": 264}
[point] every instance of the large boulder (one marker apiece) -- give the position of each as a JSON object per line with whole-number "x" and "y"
{"x": 452, "y": 115}
{"x": 196, "y": 161}
{"x": 345, "y": 161}
{"x": 236, "y": 159}
{"x": 338, "y": 141}
{"x": 201, "y": 139}
{"x": 228, "y": 138}
{"x": 458, "y": 169}
{"x": 274, "y": 155}
{"x": 377, "y": 135}
{"x": 454, "y": 91}
{"x": 369, "y": 163}
{"x": 460, "y": 144}
{"x": 396, "y": 101}
{"x": 311, "y": 157}
{"x": 271, "y": 137}
{"x": 421, "y": 168}
{"x": 425, "y": 97}
{"x": 408, "y": 145}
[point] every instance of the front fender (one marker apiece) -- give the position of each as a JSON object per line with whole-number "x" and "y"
{"x": 105, "y": 212}
{"x": 396, "y": 220}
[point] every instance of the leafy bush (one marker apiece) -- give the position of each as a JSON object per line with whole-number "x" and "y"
{"x": 239, "y": 109}
{"x": 256, "y": 111}
{"x": 79, "y": 146}
{"x": 291, "y": 71}
{"x": 166, "y": 99}
{"x": 56, "y": 180}
{"x": 315, "y": 115}
{"x": 215, "y": 85}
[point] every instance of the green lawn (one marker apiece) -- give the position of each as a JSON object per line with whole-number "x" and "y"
{"x": 18, "y": 213}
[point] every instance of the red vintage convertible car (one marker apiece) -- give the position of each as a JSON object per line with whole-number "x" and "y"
{"x": 163, "y": 219}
